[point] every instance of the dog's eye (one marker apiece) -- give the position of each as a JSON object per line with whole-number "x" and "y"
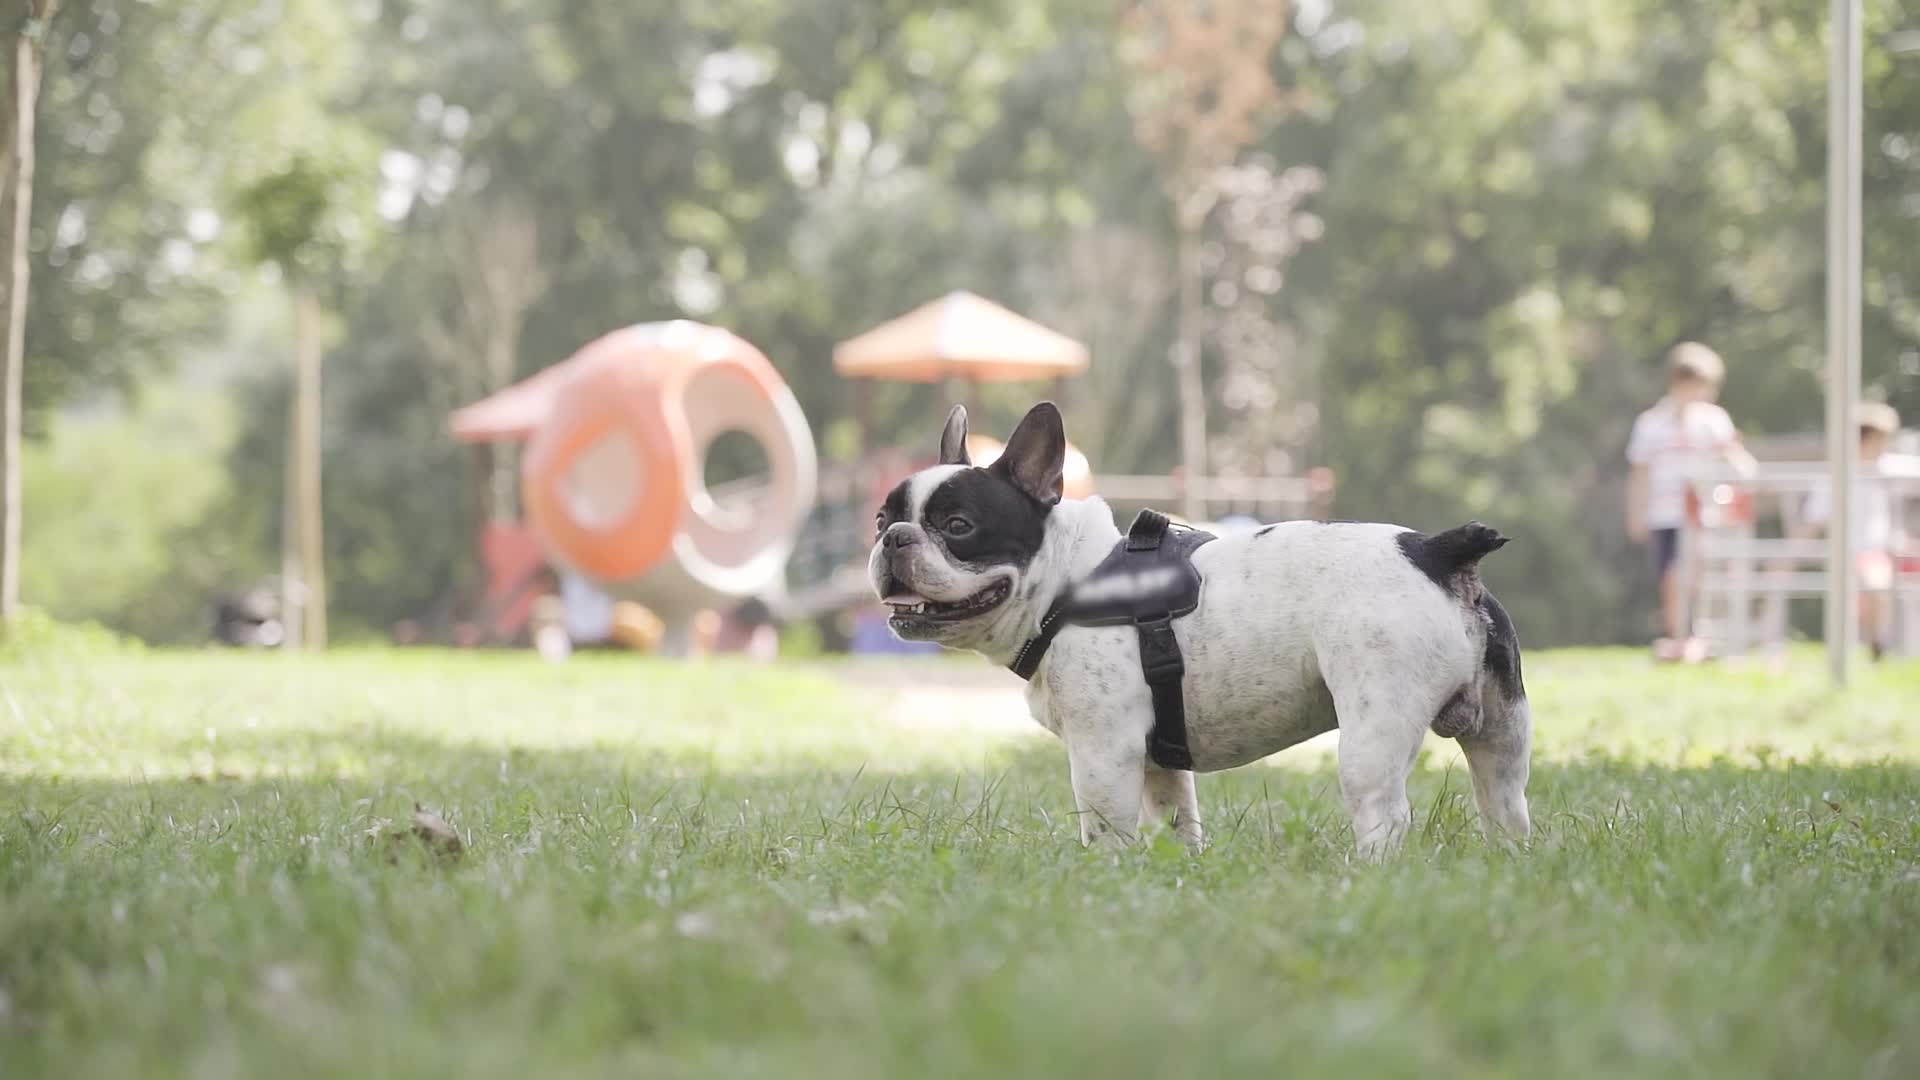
{"x": 880, "y": 522}
{"x": 957, "y": 526}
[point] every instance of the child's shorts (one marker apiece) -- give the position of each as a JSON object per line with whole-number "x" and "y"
{"x": 1875, "y": 570}
{"x": 1664, "y": 546}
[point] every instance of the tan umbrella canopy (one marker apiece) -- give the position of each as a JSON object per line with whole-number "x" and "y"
{"x": 960, "y": 336}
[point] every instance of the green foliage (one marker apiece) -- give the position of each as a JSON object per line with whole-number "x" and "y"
{"x": 298, "y": 172}
{"x": 34, "y": 637}
{"x": 289, "y": 214}
{"x": 1525, "y": 203}
{"x": 119, "y": 528}
{"x": 767, "y": 871}
{"x": 122, "y": 275}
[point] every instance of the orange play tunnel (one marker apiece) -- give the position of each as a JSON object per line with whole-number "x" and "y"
{"x": 613, "y": 475}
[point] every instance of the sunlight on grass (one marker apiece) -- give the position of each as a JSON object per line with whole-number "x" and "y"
{"x": 162, "y": 715}
{"x": 839, "y": 871}
{"x": 1621, "y": 705}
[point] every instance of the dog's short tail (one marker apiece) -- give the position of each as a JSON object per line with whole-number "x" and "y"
{"x": 1450, "y": 558}
{"x": 1464, "y": 547}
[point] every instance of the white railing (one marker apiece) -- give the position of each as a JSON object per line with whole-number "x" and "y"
{"x": 1750, "y": 551}
{"x": 1266, "y": 497}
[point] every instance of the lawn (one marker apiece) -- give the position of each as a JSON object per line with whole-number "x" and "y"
{"x": 820, "y": 871}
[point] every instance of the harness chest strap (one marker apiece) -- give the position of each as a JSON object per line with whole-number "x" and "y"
{"x": 1148, "y": 581}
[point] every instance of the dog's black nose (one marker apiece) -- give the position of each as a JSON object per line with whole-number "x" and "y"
{"x": 900, "y": 536}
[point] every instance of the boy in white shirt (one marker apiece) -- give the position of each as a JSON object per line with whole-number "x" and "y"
{"x": 1875, "y": 532}
{"x": 1684, "y": 429}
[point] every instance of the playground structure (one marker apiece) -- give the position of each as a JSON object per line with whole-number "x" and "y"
{"x": 613, "y": 442}
{"x": 613, "y": 474}
{"x": 1746, "y": 551}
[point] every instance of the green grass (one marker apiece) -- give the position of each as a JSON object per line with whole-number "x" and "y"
{"x": 719, "y": 870}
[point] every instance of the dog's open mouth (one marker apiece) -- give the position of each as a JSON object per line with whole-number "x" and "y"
{"x": 906, "y": 605}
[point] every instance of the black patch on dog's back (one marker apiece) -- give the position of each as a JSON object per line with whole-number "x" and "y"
{"x": 1503, "y": 649}
{"x": 1008, "y": 524}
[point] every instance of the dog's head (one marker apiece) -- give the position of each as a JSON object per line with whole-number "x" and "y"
{"x": 955, "y": 544}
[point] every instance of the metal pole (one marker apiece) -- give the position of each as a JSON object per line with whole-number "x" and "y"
{"x": 1843, "y": 324}
{"x": 1192, "y": 387}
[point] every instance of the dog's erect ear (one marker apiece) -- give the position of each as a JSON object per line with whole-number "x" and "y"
{"x": 953, "y": 439}
{"x": 1036, "y": 454}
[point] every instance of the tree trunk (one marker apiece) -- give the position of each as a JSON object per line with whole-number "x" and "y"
{"x": 27, "y": 48}
{"x": 502, "y": 496}
{"x": 306, "y": 492}
{"x": 1193, "y": 392}
{"x": 293, "y": 587}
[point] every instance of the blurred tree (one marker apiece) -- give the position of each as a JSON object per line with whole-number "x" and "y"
{"x": 287, "y": 212}
{"x": 137, "y": 105}
{"x": 493, "y": 252}
{"x": 28, "y": 38}
{"x": 126, "y": 229}
{"x": 1207, "y": 81}
{"x": 301, "y": 184}
{"x": 1269, "y": 399}
{"x": 1523, "y": 203}
{"x": 1526, "y": 203}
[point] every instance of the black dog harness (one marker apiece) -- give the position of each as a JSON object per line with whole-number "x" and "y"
{"x": 1147, "y": 580}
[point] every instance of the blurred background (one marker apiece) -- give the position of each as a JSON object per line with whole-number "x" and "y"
{"x": 1430, "y": 254}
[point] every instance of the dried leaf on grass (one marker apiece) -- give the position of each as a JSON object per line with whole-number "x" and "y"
{"x": 426, "y": 828}
{"x": 432, "y": 830}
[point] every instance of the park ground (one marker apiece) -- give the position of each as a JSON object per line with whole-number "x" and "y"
{"x": 846, "y": 871}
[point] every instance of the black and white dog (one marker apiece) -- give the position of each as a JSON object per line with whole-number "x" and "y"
{"x": 1300, "y": 628}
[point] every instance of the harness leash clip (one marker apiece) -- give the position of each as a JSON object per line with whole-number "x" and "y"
{"x": 1148, "y": 529}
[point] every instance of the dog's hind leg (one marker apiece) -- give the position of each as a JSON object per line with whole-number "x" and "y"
{"x": 1381, "y": 729}
{"x": 1170, "y": 796}
{"x": 1374, "y": 767}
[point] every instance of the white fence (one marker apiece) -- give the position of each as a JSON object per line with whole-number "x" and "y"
{"x": 1749, "y": 550}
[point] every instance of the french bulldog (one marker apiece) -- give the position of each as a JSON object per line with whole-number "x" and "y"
{"x": 1301, "y": 628}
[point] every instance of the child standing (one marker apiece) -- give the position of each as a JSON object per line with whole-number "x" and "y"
{"x": 1681, "y": 431}
{"x": 1875, "y": 532}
